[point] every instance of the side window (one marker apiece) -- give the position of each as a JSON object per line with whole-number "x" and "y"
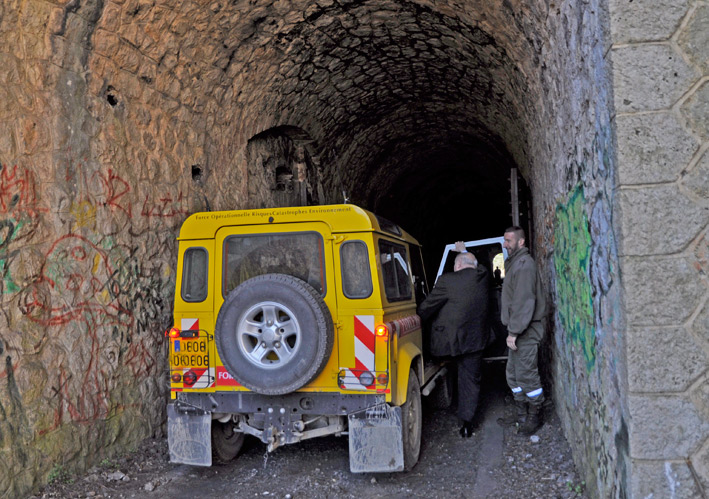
{"x": 356, "y": 277}
{"x": 195, "y": 268}
{"x": 417, "y": 269}
{"x": 395, "y": 271}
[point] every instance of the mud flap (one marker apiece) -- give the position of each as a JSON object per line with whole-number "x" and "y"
{"x": 189, "y": 436}
{"x": 375, "y": 440}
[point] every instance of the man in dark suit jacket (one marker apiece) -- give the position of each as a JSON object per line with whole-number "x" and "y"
{"x": 461, "y": 328}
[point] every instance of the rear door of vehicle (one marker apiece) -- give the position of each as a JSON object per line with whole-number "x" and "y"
{"x": 192, "y": 354}
{"x": 303, "y": 250}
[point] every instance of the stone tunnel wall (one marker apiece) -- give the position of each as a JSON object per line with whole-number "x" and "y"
{"x": 573, "y": 186}
{"x": 119, "y": 118}
{"x": 661, "y": 77}
{"x": 90, "y": 208}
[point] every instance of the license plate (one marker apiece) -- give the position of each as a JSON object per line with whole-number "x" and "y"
{"x": 189, "y": 353}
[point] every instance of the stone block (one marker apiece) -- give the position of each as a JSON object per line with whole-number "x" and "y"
{"x": 662, "y": 359}
{"x": 694, "y": 38}
{"x": 665, "y": 427}
{"x": 649, "y": 77}
{"x": 127, "y": 58}
{"x": 11, "y": 69}
{"x": 663, "y": 479}
{"x": 643, "y": 210}
{"x": 34, "y": 17}
{"x": 700, "y": 395}
{"x": 660, "y": 290}
{"x": 700, "y": 461}
{"x": 696, "y": 110}
{"x": 697, "y": 180}
{"x": 7, "y": 143}
{"x": 111, "y": 17}
{"x": 106, "y": 43}
{"x": 645, "y": 20}
{"x": 701, "y": 254}
{"x": 32, "y": 135}
{"x": 652, "y": 148}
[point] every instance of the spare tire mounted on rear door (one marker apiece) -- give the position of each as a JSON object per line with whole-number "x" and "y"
{"x": 274, "y": 333}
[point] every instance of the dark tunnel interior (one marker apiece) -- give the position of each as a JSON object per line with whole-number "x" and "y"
{"x": 417, "y": 114}
{"x": 461, "y": 193}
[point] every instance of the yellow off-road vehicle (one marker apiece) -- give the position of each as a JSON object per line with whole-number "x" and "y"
{"x": 294, "y": 323}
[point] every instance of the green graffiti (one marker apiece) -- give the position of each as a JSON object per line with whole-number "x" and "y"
{"x": 9, "y": 285}
{"x": 572, "y": 256}
{"x": 11, "y": 228}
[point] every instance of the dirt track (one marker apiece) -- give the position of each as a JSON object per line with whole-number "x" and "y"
{"x": 494, "y": 463}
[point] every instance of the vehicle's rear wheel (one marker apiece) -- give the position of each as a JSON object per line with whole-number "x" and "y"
{"x": 274, "y": 334}
{"x": 226, "y": 441}
{"x": 411, "y": 422}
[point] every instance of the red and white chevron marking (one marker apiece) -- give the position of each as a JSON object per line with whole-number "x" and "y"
{"x": 205, "y": 377}
{"x": 364, "y": 341}
{"x": 189, "y": 324}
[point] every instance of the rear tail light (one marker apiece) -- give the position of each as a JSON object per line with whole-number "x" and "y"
{"x": 173, "y": 333}
{"x": 382, "y": 331}
{"x": 354, "y": 379}
{"x": 190, "y": 378}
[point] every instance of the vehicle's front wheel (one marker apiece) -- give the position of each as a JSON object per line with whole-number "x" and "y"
{"x": 226, "y": 441}
{"x": 411, "y": 422}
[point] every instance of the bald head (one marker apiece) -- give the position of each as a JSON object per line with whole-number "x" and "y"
{"x": 464, "y": 261}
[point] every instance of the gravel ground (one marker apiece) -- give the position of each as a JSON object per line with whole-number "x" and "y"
{"x": 494, "y": 462}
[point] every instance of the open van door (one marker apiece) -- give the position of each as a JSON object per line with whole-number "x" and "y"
{"x": 492, "y": 255}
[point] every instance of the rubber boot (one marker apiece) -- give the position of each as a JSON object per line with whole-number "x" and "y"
{"x": 518, "y": 416}
{"x": 534, "y": 421}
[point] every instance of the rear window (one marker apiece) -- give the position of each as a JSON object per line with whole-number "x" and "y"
{"x": 299, "y": 254}
{"x": 195, "y": 265}
{"x": 395, "y": 271}
{"x": 356, "y": 276}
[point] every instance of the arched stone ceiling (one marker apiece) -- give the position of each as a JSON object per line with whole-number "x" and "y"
{"x": 408, "y": 103}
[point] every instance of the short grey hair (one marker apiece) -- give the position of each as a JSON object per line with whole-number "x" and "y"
{"x": 464, "y": 260}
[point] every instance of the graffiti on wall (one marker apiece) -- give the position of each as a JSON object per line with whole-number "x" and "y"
{"x": 98, "y": 296}
{"x": 574, "y": 294}
{"x": 19, "y": 218}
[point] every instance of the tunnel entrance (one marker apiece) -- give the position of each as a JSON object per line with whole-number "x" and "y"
{"x": 126, "y": 117}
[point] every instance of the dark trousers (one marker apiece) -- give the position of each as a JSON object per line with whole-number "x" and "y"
{"x": 469, "y": 372}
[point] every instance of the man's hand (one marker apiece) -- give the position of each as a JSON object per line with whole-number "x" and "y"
{"x": 460, "y": 247}
{"x": 512, "y": 342}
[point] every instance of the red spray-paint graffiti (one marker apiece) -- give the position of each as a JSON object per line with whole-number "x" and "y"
{"x": 76, "y": 291}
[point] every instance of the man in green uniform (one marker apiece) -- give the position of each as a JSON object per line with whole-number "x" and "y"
{"x": 523, "y": 308}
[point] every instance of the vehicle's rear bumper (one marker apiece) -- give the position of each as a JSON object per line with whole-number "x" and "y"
{"x": 313, "y": 403}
